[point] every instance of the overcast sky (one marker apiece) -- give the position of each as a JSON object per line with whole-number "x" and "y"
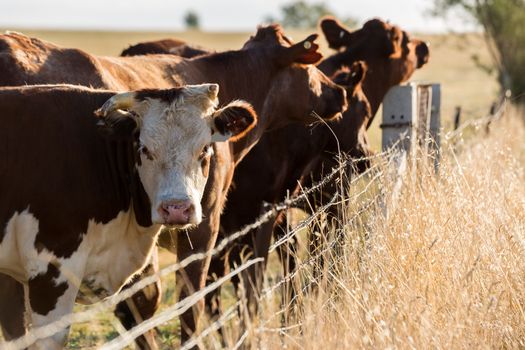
{"x": 215, "y": 15}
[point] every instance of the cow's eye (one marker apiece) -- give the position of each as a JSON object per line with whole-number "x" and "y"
{"x": 206, "y": 151}
{"x": 145, "y": 151}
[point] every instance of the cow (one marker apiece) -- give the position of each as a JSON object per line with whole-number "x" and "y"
{"x": 83, "y": 201}
{"x": 391, "y": 55}
{"x": 164, "y": 46}
{"x": 288, "y": 89}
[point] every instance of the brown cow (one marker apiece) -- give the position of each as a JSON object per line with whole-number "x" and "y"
{"x": 83, "y": 201}
{"x": 287, "y": 89}
{"x": 165, "y": 46}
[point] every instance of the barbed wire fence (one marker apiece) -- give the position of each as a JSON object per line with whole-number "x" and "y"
{"x": 379, "y": 169}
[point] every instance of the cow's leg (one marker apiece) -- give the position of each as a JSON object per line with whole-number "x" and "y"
{"x": 215, "y": 271}
{"x": 51, "y": 296}
{"x": 193, "y": 277}
{"x": 142, "y": 305}
{"x": 12, "y": 308}
{"x": 287, "y": 252}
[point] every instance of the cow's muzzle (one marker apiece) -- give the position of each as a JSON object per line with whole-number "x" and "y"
{"x": 177, "y": 213}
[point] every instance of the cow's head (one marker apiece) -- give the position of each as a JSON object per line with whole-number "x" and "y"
{"x": 351, "y": 134}
{"x": 175, "y": 129}
{"x": 378, "y": 41}
{"x": 299, "y": 92}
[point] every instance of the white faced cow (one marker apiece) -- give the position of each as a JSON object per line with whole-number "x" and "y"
{"x": 83, "y": 198}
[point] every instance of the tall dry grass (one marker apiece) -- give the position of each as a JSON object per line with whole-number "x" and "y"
{"x": 446, "y": 269}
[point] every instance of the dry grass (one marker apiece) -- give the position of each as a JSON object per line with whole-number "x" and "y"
{"x": 445, "y": 270}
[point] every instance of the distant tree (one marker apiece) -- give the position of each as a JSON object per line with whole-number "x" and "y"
{"x": 503, "y": 24}
{"x": 191, "y": 19}
{"x": 300, "y": 14}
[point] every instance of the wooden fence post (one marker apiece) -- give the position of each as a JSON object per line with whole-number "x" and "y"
{"x": 457, "y": 118}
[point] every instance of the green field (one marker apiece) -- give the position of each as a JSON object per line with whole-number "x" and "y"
{"x": 451, "y": 64}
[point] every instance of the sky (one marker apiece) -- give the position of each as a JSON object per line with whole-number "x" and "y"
{"x": 215, "y": 15}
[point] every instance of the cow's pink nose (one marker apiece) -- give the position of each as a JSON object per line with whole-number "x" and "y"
{"x": 176, "y": 212}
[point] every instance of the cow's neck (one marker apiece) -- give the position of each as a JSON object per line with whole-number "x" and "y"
{"x": 376, "y": 84}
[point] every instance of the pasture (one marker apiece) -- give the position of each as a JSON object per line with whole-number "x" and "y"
{"x": 444, "y": 271}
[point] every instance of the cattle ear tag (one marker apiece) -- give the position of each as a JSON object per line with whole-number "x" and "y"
{"x": 307, "y": 45}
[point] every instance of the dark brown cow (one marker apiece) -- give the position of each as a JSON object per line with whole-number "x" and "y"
{"x": 83, "y": 201}
{"x": 270, "y": 72}
{"x": 172, "y": 46}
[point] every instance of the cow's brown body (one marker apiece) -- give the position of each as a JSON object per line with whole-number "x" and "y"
{"x": 172, "y": 46}
{"x": 256, "y": 74}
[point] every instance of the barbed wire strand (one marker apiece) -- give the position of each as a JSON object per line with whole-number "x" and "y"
{"x": 67, "y": 320}
{"x": 175, "y": 310}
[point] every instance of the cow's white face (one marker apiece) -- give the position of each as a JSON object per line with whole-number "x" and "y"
{"x": 177, "y": 128}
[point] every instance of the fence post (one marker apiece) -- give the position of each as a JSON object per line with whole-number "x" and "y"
{"x": 435, "y": 126}
{"x": 457, "y": 118}
{"x": 398, "y": 131}
{"x": 411, "y": 122}
{"x": 399, "y": 113}
{"x": 493, "y": 108}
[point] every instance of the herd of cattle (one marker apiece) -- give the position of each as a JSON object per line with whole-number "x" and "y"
{"x": 91, "y": 171}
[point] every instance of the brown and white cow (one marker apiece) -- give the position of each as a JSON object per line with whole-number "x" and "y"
{"x": 83, "y": 201}
{"x": 275, "y": 75}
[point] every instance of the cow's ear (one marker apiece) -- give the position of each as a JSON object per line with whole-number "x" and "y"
{"x": 357, "y": 73}
{"x": 336, "y": 34}
{"x": 305, "y": 52}
{"x": 117, "y": 117}
{"x": 232, "y": 122}
{"x": 351, "y": 77}
{"x": 422, "y": 53}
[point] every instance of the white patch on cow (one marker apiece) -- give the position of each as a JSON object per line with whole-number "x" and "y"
{"x": 175, "y": 136}
{"x": 18, "y": 256}
{"x": 108, "y": 256}
{"x": 116, "y": 251}
{"x": 63, "y": 307}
